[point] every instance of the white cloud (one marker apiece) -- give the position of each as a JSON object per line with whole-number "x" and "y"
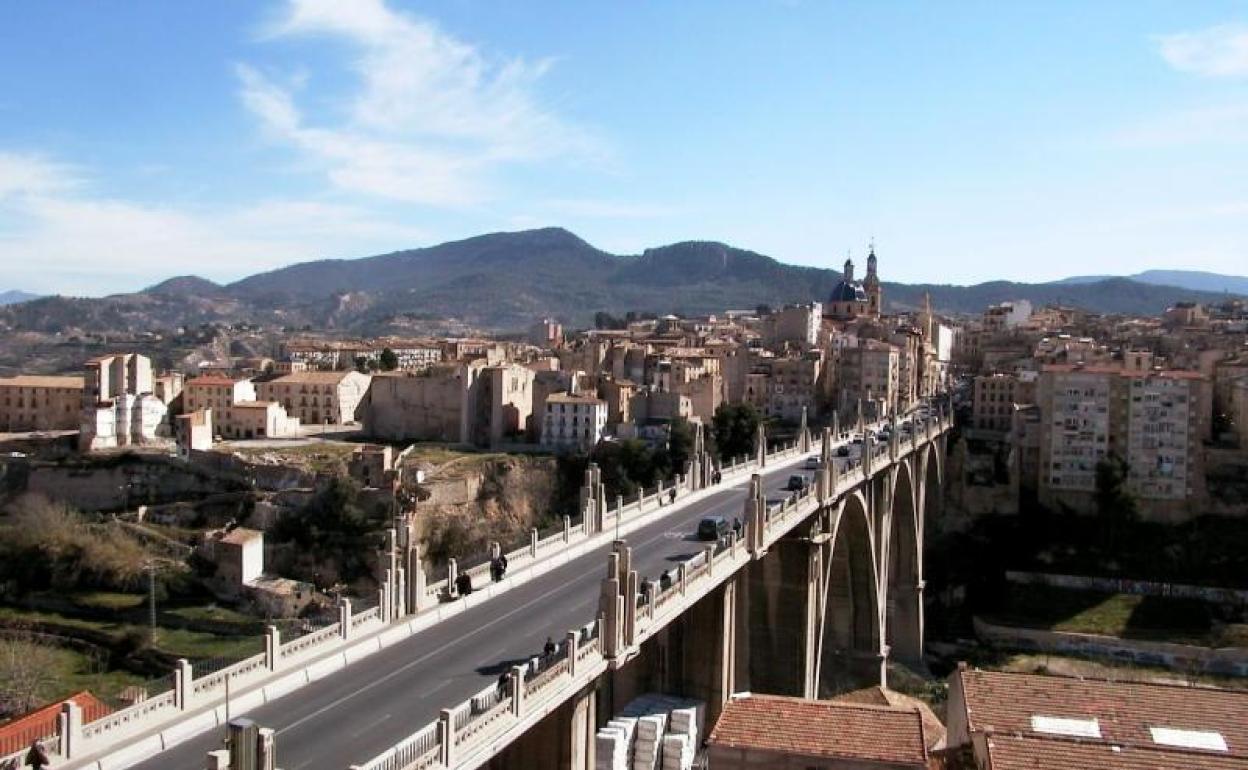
{"x": 432, "y": 115}
{"x": 22, "y": 175}
{"x": 63, "y": 240}
{"x": 1220, "y": 51}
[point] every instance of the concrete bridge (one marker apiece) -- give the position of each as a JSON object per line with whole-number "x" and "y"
{"x": 821, "y": 589}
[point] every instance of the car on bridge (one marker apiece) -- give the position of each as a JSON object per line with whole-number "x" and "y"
{"x": 712, "y": 528}
{"x": 812, "y": 463}
{"x": 797, "y": 483}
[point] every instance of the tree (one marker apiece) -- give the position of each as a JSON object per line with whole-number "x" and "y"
{"x": 736, "y": 428}
{"x": 361, "y": 364}
{"x": 1114, "y": 502}
{"x": 28, "y": 674}
{"x": 680, "y": 444}
{"x": 388, "y": 360}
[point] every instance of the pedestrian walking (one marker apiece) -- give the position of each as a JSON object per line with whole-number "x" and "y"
{"x": 37, "y": 757}
{"x": 548, "y": 651}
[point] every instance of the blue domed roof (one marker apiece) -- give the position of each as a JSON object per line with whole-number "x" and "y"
{"x": 847, "y": 292}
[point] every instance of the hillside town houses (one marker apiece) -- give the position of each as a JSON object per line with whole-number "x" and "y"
{"x": 1046, "y": 393}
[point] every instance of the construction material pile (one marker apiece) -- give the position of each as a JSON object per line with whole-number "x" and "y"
{"x": 654, "y": 732}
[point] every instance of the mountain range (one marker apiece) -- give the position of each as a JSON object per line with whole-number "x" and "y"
{"x": 1197, "y": 280}
{"x": 504, "y": 281}
{"x": 12, "y": 297}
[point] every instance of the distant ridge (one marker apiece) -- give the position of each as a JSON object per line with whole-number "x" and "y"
{"x": 1197, "y": 280}
{"x": 13, "y": 297}
{"x": 503, "y": 281}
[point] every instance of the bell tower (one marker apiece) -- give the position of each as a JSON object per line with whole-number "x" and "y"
{"x": 871, "y": 284}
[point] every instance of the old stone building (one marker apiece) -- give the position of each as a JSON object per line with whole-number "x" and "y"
{"x": 317, "y": 398}
{"x": 119, "y": 407}
{"x": 31, "y": 402}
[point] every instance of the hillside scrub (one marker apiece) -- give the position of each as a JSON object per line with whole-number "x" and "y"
{"x": 50, "y": 545}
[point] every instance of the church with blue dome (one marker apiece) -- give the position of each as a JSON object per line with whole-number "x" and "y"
{"x": 850, "y": 299}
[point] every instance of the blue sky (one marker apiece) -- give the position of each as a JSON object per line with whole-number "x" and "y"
{"x": 972, "y": 140}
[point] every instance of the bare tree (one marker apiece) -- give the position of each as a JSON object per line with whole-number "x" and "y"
{"x": 28, "y": 673}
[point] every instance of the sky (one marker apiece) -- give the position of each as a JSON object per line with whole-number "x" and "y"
{"x": 972, "y": 141}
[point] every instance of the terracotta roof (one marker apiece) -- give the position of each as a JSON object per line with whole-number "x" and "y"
{"x": 309, "y": 378}
{"x": 41, "y": 381}
{"x": 42, "y": 721}
{"x": 812, "y": 728}
{"x": 214, "y": 379}
{"x": 569, "y": 398}
{"x": 1001, "y": 702}
{"x": 933, "y": 730}
{"x": 1016, "y": 752}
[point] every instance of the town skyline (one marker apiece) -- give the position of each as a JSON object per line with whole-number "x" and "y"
{"x": 252, "y": 138}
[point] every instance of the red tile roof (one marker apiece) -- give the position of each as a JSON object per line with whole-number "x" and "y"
{"x": 1004, "y": 703}
{"x": 1016, "y": 752}
{"x": 42, "y": 721}
{"x": 811, "y": 728}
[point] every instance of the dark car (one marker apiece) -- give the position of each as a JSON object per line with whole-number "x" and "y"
{"x": 842, "y": 451}
{"x": 712, "y": 528}
{"x": 796, "y": 483}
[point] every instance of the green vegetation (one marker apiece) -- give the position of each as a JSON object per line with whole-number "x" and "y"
{"x": 736, "y": 430}
{"x": 1129, "y": 616}
{"x": 334, "y": 534}
{"x": 33, "y": 673}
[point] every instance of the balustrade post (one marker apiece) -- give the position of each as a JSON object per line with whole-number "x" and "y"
{"x": 571, "y": 641}
{"x": 567, "y": 529}
{"x": 400, "y": 594}
{"x": 517, "y": 691}
{"x": 219, "y": 759}
{"x": 344, "y": 618}
{"x": 682, "y": 573}
{"x": 533, "y": 542}
{"x": 182, "y": 680}
{"x": 446, "y": 737}
{"x": 710, "y": 560}
{"x": 452, "y": 574}
{"x": 384, "y": 605}
{"x": 69, "y": 729}
{"x": 272, "y": 648}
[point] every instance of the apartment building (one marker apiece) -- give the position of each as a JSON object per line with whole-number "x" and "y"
{"x": 869, "y": 377}
{"x": 1075, "y": 402}
{"x": 217, "y": 392}
{"x": 1155, "y": 420}
{"x": 33, "y": 402}
{"x": 1164, "y": 427}
{"x": 791, "y": 386}
{"x": 237, "y": 412}
{"x": 995, "y": 396}
{"x": 794, "y": 323}
{"x": 317, "y": 398}
{"x": 573, "y": 421}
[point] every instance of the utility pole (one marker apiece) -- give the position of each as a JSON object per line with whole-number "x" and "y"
{"x": 151, "y": 597}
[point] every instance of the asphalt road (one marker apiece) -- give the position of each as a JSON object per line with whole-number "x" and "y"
{"x": 360, "y": 711}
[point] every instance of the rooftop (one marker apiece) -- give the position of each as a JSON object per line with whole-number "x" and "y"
{"x": 41, "y": 381}
{"x": 1017, "y": 752}
{"x": 1123, "y": 713}
{"x": 824, "y": 729}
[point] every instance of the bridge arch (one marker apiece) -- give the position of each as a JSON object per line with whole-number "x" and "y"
{"x": 903, "y": 569}
{"x": 850, "y": 632}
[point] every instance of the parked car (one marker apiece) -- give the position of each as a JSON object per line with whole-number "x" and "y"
{"x": 796, "y": 483}
{"x": 712, "y": 528}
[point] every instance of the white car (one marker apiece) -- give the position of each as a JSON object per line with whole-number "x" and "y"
{"x": 812, "y": 463}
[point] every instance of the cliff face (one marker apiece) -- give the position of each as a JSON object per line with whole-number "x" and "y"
{"x": 472, "y": 501}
